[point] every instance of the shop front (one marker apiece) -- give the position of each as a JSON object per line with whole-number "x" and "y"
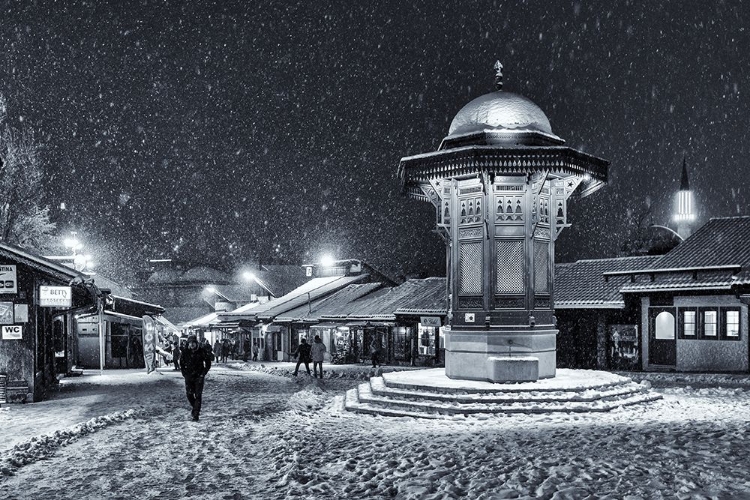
{"x": 38, "y": 300}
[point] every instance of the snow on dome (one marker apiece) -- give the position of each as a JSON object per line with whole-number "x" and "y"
{"x": 500, "y": 111}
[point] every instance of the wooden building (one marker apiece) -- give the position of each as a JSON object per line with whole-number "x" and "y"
{"x": 686, "y": 310}
{"x": 38, "y": 301}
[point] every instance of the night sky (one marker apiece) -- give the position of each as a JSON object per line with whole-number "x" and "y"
{"x": 227, "y": 131}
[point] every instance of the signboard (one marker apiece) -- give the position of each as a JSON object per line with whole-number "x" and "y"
{"x": 55, "y": 296}
{"x": 430, "y": 321}
{"x": 12, "y": 332}
{"x": 149, "y": 343}
{"x": 8, "y": 280}
{"x": 6, "y": 313}
{"x": 21, "y": 312}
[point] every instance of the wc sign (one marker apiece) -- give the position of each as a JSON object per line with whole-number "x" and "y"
{"x": 12, "y": 332}
{"x": 55, "y": 296}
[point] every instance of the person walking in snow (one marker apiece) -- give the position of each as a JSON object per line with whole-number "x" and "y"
{"x": 255, "y": 352}
{"x": 318, "y": 350}
{"x": 217, "y": 349}
{"x": 375, "y": 353}
{"x": 303, "y": 353}
{"x": 195, "y": 365}
{"x": 176, "y": 355}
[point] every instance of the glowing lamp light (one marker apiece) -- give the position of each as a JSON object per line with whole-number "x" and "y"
{"x": 248, "y": 276}
{"x": 211, "y": 289}
{"x": 327, "y": 261}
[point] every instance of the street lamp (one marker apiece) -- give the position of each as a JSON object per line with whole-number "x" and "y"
{"x": 76, "y": 260}
{"x": 327, "y": 260}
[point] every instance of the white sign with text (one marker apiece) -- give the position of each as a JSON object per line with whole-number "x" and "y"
{"x": 12, "y": 332}
{"x": 55, "y": 296}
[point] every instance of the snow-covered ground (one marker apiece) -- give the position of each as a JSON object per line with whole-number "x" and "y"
{"x": 262, "y": 435}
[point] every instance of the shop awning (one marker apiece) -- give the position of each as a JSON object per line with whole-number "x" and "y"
{"x": 370, "y": 323}
{"x": 327, "y": 325}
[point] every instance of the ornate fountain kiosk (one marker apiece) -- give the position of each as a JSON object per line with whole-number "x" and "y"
{"x": 500, "y": 183}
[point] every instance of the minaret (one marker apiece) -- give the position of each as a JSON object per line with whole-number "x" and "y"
{"x": 685, "y": 214}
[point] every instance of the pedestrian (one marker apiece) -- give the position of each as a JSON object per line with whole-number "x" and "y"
{"x": 226, "y": 346}
{"x": 217, "y": 349}
{"x": 303, "y": 353}
{"x": 176, "y": 354}
{"x": 375, "y": 353}
{"x": 245, "y": 349}
{"x": 195, "y": 365}
{"x": 255, "y": 352}
{"x": 318, "y": 350}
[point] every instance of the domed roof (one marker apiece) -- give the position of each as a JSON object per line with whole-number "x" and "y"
{"x": 500, "y": 111}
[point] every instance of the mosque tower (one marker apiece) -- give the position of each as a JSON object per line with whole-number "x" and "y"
{"x": 685, "y": 211}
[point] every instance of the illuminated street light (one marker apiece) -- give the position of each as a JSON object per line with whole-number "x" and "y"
{"x": 327, "y": 261}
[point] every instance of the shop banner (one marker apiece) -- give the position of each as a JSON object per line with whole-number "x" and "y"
{"x": 433, "y": 321}
{"x": 149, "y": 343}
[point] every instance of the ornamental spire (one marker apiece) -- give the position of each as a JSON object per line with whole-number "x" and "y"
{"x": 498, "y": 75}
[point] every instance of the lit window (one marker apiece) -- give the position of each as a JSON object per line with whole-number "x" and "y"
{"x": 688, "y": 322}
{"x": 710, "y": 324}
{"x": 733, "y": 324}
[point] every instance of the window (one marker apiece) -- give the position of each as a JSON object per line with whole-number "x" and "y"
{"x": 730, "y": 324}
{"x": 710, "y": 324}
{"x": 688, "y": 324}
{"x": 664, "y": 326}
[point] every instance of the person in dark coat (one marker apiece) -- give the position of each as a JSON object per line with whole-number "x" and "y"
{"x": 195, "y": 364}
{"x": 303, "y": 354}
{"x": 375, "y": 353}
{"x": 176, "y": 354}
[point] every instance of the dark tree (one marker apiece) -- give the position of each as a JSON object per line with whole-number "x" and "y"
{"x": 24, "y": 220}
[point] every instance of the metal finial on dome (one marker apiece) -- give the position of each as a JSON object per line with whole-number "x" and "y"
{"x": 498, "y": 75}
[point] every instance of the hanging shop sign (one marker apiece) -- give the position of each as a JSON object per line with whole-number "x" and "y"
{"x": 430, "y": 321}
{"x": 8, "y": 280}
{"x": 12, "y": 332}
{"x": 55, "y": 296}
{"x": 149, "y": 343}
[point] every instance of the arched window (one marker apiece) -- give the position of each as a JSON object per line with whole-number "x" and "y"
{"x": 664, "y": 326}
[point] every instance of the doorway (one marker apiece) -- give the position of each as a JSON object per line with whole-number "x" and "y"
{"x": 662, "y": 329}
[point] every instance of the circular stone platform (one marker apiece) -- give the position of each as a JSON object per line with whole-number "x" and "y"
{"x": 431, "y": 394}
{"x": 565, "y": 380}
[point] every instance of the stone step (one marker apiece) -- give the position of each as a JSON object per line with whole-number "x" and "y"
{"x": 379, "y": 387}
{"x": 362, "y": 400}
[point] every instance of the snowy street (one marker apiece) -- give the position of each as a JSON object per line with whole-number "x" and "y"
{"x": 128, "y": 435}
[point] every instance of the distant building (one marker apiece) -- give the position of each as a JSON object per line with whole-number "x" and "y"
{"x": 188, "y": 293}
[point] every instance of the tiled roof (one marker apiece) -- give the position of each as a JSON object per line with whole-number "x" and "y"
{"x": 414, "y": 296}
{"x": 314, "y": 289}
{"x": 330, "y": 305}
{"x": 715, "y": 257}
{"x": 429, "y": 297}
{"x": 721, "y": 241}
{"x": 582, "y": 283}
{"x": 681, "y": 281}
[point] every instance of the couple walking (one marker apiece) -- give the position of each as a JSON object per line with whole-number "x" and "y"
{"x": 306, "y": 353}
